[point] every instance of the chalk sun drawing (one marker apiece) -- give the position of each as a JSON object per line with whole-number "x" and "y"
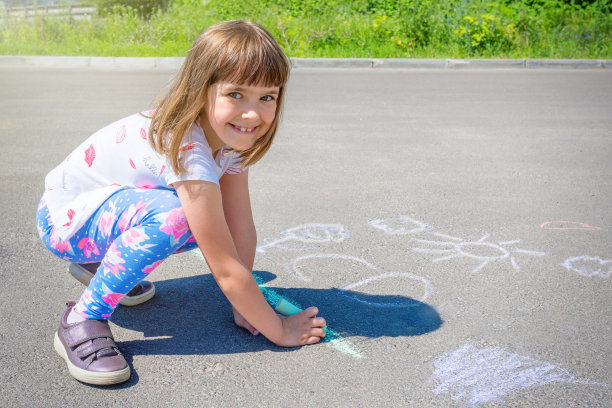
{"x": 292, "y": 269}
{"x": 306, "y": 233}
{"x": 400, "y": 225}
{"x": 480, "y": 250}
{"x": 589, "y": 266}
{"x": 479, "y": 376}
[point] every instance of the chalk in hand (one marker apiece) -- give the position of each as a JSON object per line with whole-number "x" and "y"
{"x": 285, "y": 308}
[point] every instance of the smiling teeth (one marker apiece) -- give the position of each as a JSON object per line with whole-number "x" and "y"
{"x": 246, "y": 130}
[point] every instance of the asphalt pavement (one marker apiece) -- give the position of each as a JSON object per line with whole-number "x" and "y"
{"x": 454, "y": 227}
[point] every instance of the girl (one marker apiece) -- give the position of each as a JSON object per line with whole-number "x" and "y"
{"x": 171, "y": 180}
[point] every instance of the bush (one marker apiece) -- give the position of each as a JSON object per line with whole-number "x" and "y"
{"x": 143, "y": 8}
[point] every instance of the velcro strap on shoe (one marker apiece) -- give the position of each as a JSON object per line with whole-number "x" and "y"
{"x": 95, "y": 346}
{"x": 87, "y": 330}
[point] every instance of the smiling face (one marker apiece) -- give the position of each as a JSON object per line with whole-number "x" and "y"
{"x": 237, "y": 115}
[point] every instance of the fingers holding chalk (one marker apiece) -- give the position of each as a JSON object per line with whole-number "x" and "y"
{"x": 286, "y": 308}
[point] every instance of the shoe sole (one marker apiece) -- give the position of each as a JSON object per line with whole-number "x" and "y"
{"x": 84, "y": 276}
{"x": 90, "y": 377}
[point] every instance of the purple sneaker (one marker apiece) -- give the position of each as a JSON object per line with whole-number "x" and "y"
{"x": 90, "y": 351}
{"x": 140, "y": 293}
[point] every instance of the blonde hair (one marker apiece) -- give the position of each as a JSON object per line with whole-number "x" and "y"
{"x": 236, "y": 51}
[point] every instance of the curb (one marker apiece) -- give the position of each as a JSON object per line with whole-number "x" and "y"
{"x": 175, "y": 63}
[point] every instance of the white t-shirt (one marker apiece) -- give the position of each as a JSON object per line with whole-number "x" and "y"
{"x": 120, "y": 156}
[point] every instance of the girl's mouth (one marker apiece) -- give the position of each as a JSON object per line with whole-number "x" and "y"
{"x": 244, "y": 129}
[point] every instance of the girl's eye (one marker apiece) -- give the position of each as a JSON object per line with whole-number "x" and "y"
{"x": 235, "y": 95}
{"x": 267, "y": 98}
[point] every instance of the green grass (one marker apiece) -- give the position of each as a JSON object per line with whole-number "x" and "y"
{"x": 317, "y": 28}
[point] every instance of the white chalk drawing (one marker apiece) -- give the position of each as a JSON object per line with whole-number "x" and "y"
{"x": 306, "y": 233}
{"x": 479, "y": 376}
{"x": 568, "y": 225}
{"x": 589, "y": 266}
{"x": 480, "y": 250}
{"x": 402, "y": 303}
{"x": 401, "y": 225}
{"x": 292, "y": 269}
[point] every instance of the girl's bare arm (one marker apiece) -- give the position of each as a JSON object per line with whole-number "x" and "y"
{"x": 203, "y": 206}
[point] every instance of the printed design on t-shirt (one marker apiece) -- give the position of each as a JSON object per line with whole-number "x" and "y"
{"x": 188, "y": 146}
{"x": 120, "y": 136}
{"x": 149, "y": 163}
{"x": 143, "y": 134}
{"x": 90, "y": 155}
{"x": 70, "y": 214}
{"x": 88, "y": 246}
{"x": 132, "y": 164}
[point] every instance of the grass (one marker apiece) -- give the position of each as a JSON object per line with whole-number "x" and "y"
{"x": 317, "y": 28}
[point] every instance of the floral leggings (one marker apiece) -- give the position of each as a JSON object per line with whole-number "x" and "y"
{"x": 131, "y": 233}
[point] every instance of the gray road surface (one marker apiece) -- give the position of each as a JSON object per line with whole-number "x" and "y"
{"x": 460, "y": 232}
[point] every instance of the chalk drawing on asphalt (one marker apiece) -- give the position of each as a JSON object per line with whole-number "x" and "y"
{"x": 306, "y": 233}
{"x": 400, "y": 225}
{"x": 481, "y": 250}
{"x": 568, "y": 225}
{"x": 428, "y": 289}
{"x": 479, "y": 376}
{"x": 589, "y": 266}
{"x": 293, "y": 270}
{"x": 332, "y": 338}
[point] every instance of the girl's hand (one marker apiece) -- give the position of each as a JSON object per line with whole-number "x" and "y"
{"x": 302, "y": 328}
{"x": 242, "y": 322}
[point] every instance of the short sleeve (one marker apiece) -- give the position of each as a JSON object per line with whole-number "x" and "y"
{"x": 196, "y": 157}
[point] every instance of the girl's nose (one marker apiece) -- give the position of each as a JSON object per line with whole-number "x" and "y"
{"x": 250, "y": 114}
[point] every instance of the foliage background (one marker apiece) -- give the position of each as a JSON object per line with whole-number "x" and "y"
{"x": 332, "y": 28}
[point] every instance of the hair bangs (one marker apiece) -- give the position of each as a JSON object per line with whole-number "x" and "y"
{"x": 253, "y": 60}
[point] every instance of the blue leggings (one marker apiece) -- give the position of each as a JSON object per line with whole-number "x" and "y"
{"x": 131, "y": 233}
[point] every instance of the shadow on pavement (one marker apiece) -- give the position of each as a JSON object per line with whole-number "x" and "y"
{"x": 191, "y": 316}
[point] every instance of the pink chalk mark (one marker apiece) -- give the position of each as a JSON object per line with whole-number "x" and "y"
{"x": 568, "y": 225}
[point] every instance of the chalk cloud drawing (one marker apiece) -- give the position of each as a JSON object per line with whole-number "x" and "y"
{"x": 589, "y": 266}
{"x": 568, "y": 225}
{"x": 401, "y": 225}
{"x": 292, "y": 269}
{"x": 404, "y": 303}
{"x": 480, "y": 250}
{"x": 306, "y": 233}
{"x": 479, "y": 376}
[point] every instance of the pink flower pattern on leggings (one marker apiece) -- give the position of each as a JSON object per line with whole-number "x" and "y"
{"x": 134, "y": 238}
{"x": 59, "y": 245}
{"x": 149, "y": 268}
{"x": 113, "y": 260}
{"x": 107, "y": 220}
{"x": 112, "y": 299}
{"x": 175, "y": 224}
{"x": 89, "y": 247}
{"x": 132, "y": 216}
